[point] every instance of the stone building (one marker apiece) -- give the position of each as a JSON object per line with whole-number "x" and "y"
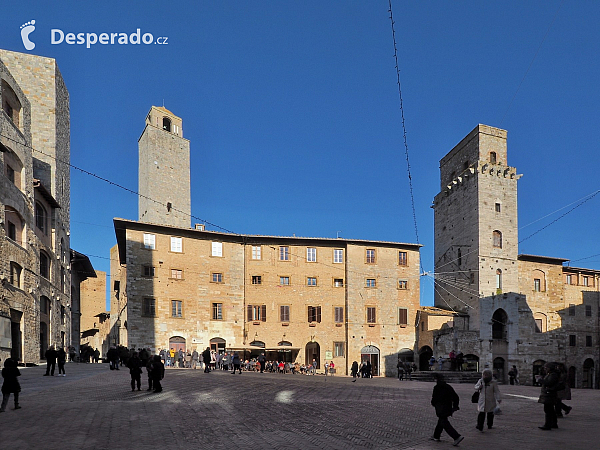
{"x": 296, "y": 299}
{"x": 508, "y": 309}
{"x": 81, "y": 270}
{"x": 34, "y": 200}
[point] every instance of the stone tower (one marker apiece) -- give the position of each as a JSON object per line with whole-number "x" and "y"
{"x": 475, "y": 224}
{"x": 164, "y": 171}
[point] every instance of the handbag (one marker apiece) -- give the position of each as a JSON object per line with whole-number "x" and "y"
{"x": 475, "y": 397}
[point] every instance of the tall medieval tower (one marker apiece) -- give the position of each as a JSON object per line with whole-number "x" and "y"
{"x": 475, "y": 224}
{"x": 164, "y": 171}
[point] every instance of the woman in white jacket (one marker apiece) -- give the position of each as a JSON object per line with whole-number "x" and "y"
{"x": 489, "y": 397}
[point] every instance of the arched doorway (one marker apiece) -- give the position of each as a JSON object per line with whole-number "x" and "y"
{"x": 499, "y": 369}
{"x": 176, "y": 343}
{"x": 371, "y": 353}
{"x": 499, "y": 322}
{"x": 587, "y": 379}
{"x": 217, "y": 345}
{"x": 284, "y": 352}
{"x": 425, "y": 354}
{"x": 472, "y": 362}
{"x": 537, "y": 371}
{"x": 406, "y": 355}
{"x": 572, "y": 376}
{"x": 313, "y": 351}
{"x": 43, "y": 339}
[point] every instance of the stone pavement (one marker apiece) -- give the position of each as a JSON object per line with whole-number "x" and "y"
{"x": 94, "y": 408}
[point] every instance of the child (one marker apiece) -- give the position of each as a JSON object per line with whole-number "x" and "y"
{"x": 11, "y": 384}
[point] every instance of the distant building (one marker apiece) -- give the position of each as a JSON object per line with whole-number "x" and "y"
{"x": 34, "y": 201}
{"x": 508, "y": 309}
{"x": 296, "y": 299}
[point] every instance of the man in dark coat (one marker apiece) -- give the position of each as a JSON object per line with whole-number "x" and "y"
{"x": 62, "y": 359}
{"x": 11, "y": 384}
{"x": 550, "y": 385}
{"x": 236, "y": 363}
{"x": 445, "y": 400}
{"x": 135, "y": 370}
{"x": 157, "y": 373}
{"x": 50, "y": 355}
{"x": 206, "y": 359}
{"x": 262, "y": 359}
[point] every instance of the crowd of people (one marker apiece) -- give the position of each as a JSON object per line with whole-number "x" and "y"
{"x": 456, "y": 359}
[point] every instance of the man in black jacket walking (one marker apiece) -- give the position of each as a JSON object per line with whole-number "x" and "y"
{"x": 50, "y": 355}
{"x": 445, "y": 400}
{"x": 206, "y": 359}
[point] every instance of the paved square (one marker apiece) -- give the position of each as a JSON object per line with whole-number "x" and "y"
{"x": 94, "y": 408}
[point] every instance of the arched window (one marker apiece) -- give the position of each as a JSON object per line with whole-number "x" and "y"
{"x": 499, "y": 324}
{"x": 15, "y": 274}
{"x": 539, "y": 280}
{"x": 498, "y": 280}
{"x": 41, "y": 218}
{"x": 459, "y": 257}
{"x": 166, "y": 124}
{"x": 493, "y": 157}
{"x": 10, "y": 103}
{"x": 44, "y": 265}
{"x": 497, "y": 239}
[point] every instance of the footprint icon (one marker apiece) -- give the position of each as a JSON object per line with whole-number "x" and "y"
{"x": 26, "y": 30}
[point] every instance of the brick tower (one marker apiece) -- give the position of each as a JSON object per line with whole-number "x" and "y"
{"x": 164, "y": 171}
{"x": 475, "y": 221}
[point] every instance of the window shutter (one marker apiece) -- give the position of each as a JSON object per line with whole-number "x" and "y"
{"x": 309, "y": 313}
{"x": 403, "y": 316}
{"x": 263, "y": 315}
{"x": 249, "y": 313}
{"x": 318, "y": 314}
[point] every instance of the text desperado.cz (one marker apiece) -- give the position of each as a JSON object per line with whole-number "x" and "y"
{"x": 89, "y": 39}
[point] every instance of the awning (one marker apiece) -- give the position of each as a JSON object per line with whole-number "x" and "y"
{"x": 89, "y": 333}
{"x": 283, "y": 348}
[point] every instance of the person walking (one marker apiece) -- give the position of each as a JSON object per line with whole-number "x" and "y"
{"x": 563, "y": 391}
{"x": 408, "y": 370}
{"x": 149, "y": 372}
{"x": 11, "y": 384}
{"x": 206, "y": 358}
{"x": 61, "y": 356}
{"x": 158, "y": 373}
{"x": 548, "y": 396}
{"x": 96, "y": 356}
{"x": 50, "y": 355}
{"x": 512, "y": 375}
{"x": 194, "y": 359}
{"x": 135, "y": 370}
{"x": 235, "y": 361}
{"x": 400, "y": 367}
{"x": 440, "y": 362}
{"x": 431, "y": 362}
{"x": 445, "y": 400}
{"x": 489, "y": 397}
{"x": 354, "y": 371}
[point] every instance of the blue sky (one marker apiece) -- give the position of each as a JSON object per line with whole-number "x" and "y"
{"x": 293, "y": 114}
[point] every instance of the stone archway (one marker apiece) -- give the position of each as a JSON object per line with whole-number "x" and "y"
{"x": 371, "y": 353}
{"x": 313, "y": 351}
{"x": 425, "y": 354}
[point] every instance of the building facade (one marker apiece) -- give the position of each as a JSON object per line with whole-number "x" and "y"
{"x": 508, "y": 309}
{"x": 34, "y": 196}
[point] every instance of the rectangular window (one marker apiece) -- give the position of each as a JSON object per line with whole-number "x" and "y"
{"x": 62, "y": 318}
{"x": 311, "y": 281}
{"x": 149, "y": 307}
{"x": 338, "y": 255}
{"x": 176, "y": 244}
{"x": 402, "y": 258}
{"x": 176, "y": 308}
{"x": 569, "y": 279}
{"x": 311, "y": 254}
{"x": 338, "y": 349}
{"x": 284, "y": 253}
{"x": 44, "y": 265}
{"x": 338, "y": 313}
{"x": 10, "y": 173}
{"x": 588, "y": 341}
{"x": 402, "y": 316}
{"x": 537, "y": 284}
{"x": 538, "y": 325}
{"x": 256, "y": 279}
{"x": 370, "y": 257}
{"x": 314, "y": 314}
{"x": 572, "y": 340}
{"x": 371, "y": 282}
{"x": 472, "y": 278}
{"x": 256, "y": 252}
{"x": 217, "y": 311}
{"x": 217, "y": 249}
{"x": 257, "y": 313}
{"x": 585, "y": 281}
{"x": 284, "y": 313}
{"x": 571, "y": 309}
{"x": 149, "y": 241}
{"x": 217, "y": 277}
{"x": 12, "y": 231}
{"x": 371, "y": 314}
{"x": 402, "y": 284}
{"x": 588, "y": 310}
{"x": 498, "y": 207}
{"x": 422, "y": 326}
{"x": 338, "y": 282}
{"x": 147, "y": 271}
{"x": 177, "y": 274}
{"x": 284, "y": 281}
